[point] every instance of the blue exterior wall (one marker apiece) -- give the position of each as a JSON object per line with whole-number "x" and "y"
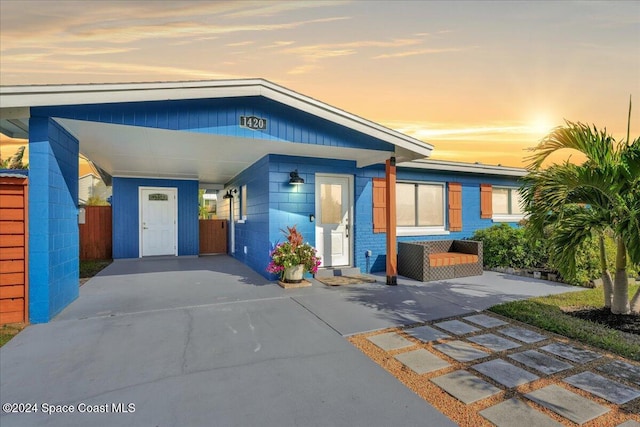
{"x": 290, "y": 205}
{"x": 221, "y": 116}
{"x": 376, "y": 242}
{"x": 53, "y": 219}
{"x": 126, "y": 218}
{"x": 254, "y": 232}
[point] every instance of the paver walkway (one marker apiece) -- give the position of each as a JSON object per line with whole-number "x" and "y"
{"x": 487, "y": 370}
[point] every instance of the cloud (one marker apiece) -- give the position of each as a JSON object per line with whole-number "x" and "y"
{"x": 418, "y": 52}
{"x": 245, "y": 43}
{"x": 277, "y": 44}
{"x": 512, "y": 132}
{"x": 303, "y": 69}
{"x": 121, "y": 71}
{"x": 262, "y": 8}
{"x": 313, "y": 53}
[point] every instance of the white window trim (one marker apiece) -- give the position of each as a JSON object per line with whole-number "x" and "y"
{"x": 421, "y": 231}
{"x": 507, "y": 218}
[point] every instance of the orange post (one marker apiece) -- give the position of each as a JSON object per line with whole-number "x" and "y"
{"x": 392, "y": 253}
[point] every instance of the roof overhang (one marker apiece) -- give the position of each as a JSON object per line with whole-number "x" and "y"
{"x": 16, "y": 100}
{"x": 133, "y": 151}
{"x": 474, "y": 168}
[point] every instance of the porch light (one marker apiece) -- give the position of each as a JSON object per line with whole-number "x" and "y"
{"x": 295, "y": 178}
{"x": 229, "y": 195}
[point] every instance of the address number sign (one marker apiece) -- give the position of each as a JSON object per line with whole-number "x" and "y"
{"x": 253, "y": 122}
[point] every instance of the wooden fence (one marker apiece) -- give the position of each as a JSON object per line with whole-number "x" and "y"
{"x": 14, "y": 230}
{"x": 95, "y": 233}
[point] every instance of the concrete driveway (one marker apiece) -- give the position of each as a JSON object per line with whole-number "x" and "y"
{"x": 206, "y": 341}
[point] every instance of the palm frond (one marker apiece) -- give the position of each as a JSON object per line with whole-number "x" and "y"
{"x": 596, "y": 145}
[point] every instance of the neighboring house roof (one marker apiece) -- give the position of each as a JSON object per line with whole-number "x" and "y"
{"x": 12, "y": 175}
{"x": 475, "y": 168}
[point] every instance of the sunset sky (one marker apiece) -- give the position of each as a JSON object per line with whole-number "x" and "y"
{"x": 480, "y": 80}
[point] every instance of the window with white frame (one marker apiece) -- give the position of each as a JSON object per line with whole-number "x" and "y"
{"x": 420, "y": 208}
{"x": 506, "y": 203}
{"x": 243, "y": 202}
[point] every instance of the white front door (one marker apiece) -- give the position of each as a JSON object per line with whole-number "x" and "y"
{"x": 334, "y": 201}
{"x": 158, "y": 221}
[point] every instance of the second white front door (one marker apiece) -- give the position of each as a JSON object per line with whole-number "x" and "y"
{"x": 158, "y": 221}
{"x": 334, "y": 203}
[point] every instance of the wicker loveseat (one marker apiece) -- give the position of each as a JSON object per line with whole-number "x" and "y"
{"x": 439, "y": 259}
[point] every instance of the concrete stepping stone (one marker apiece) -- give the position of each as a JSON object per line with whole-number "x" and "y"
{"x": 484, "y": 320}
{"x": 630, "y": 423}
{"x": 421, "y": 361}
{"x": 461, "y": 351}
{"x": 427, "y": 333}
{"x": 465, "y": 386}
{"x": 457, "y": 327}
{"x": 609, "y": 390}
{"x": 521, "y": 334}
{"x": 541, "y": 362}
{"x": 569, "y": 352}
{"x": 567, "y": 404}
{"x": 623, "y": 370}
{"x": 494, "y": 342}
{"x": 514, "y": 412}
{"x": 390, "y": 341}
{"x": 505, "y": 373}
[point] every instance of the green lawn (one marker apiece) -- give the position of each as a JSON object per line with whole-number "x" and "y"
{"x": 91, "y": 268}
{"x": 9, "y": 331}
{"x": 545, "y": 313}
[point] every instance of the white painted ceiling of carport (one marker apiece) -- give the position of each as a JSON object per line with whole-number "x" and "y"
{"x": 133, "y": 151}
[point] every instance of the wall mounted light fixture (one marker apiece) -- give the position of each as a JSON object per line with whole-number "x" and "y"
{"x": 295, "y": 178}
{"x": 229, "y": 194}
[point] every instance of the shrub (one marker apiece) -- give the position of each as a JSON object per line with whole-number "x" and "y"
{"x": 507, "y": 246}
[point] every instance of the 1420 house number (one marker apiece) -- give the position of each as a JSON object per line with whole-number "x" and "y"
{"x": 253, "y": 122}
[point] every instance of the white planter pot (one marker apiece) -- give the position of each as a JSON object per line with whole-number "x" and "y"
{"x": 294, "y": 274}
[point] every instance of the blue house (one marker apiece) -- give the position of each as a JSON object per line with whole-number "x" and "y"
{"x": 279, "y": 157}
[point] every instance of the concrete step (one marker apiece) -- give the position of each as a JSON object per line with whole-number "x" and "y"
{"x": 337, "y": 271}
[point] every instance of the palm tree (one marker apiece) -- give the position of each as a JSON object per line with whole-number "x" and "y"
{"x": 15, "y": 161}
{"x": 600, "y": 196}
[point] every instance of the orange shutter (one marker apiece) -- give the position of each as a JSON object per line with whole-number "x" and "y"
{"x": 379, "y": 205}
{"x": 486, "y": 201}
{"x": 455, "y": 206}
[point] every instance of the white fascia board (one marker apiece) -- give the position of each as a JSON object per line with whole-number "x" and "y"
{"x": 476, "y": 168}
{"x": 341, "y": 117}
{"x": 106, "y": 94}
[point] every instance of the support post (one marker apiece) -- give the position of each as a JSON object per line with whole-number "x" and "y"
{"x": 392, "y": 261}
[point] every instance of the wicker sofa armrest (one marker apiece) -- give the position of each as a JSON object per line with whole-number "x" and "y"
{"x": 468, "y": 247}
{"x": 436, "y": 246}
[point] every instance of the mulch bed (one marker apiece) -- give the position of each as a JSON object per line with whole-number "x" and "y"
{"x": 629, "y": 323}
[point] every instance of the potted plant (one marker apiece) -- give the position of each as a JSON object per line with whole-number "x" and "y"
{"x": 291, "y": 259}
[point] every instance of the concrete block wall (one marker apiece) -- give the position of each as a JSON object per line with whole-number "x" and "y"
{"x": 292, "y": 204}
{"x": 126, "y": 218}
{"x": 251, "y": 233}
{"x": 53, "y": 219}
